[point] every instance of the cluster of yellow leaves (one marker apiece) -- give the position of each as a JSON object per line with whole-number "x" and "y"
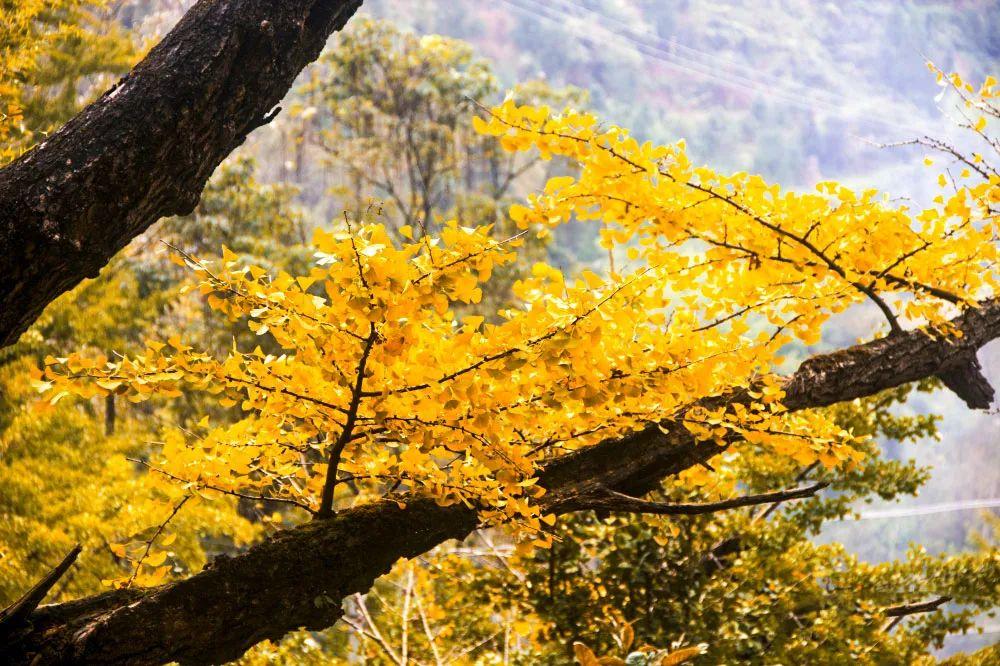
{"x": 459, "y": 407}
{"x": 372, "y": 370}
{"x": 979, "y": 101}
{"x": 744, "y": 245}
{"x": 979, "y": 107}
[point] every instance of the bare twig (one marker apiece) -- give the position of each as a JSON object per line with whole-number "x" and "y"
{"x": 605, "y": 499}
{"x": 149, "y": 544}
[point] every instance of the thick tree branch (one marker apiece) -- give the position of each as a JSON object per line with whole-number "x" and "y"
{"x": 299, "y": 577}
{"x": 829, "y": 378}
{"x": 145, "y": 149}
{"x": 605, "y": 499}
{"x": 966, "y": 380}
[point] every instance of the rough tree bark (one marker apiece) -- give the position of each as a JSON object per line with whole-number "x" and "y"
{"x": 145, "y": 149}
{"x": 299, "y": 577}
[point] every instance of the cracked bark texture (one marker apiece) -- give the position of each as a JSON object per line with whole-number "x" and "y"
{"x": 145, "y": 149}
{"x": 299, "y": 577}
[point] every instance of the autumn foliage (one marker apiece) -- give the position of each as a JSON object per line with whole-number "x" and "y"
{"x": 400, "y": 357}
{"x": 379, "y": 384}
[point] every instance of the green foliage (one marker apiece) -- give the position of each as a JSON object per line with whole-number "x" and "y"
{"x": 65, "y": 480}
{"x": 753, "y": 585}
{"x": 391, "y": 111}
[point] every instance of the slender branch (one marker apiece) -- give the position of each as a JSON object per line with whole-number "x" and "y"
{"x": 357, "y": 255}
{"x": 286, "y": 391}
{"x": 471, "y": 255}
{"x": 903, "y": 610}
{"x": 374, "y": 633}
{"x": 897, "y": 613}
{"x": 152, "y": 539}
{"x": 736, "y": 205}
{"x": 224, "y": 491}
{"x": 405, "y": 623}
{"x": 510, "y": 351}
{"x": 799, "y": 478}
{"x": 431, "y": 638}
{"x": 940, "y": 146}
{"x": 605, "y": 499}
{"x": 227, "y": 286}
{"x": 357, "y": 392}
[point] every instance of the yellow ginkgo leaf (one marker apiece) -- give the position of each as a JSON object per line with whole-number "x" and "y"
{"x": 627, "y": 637}
{"x": 155, "y": 559}
{"x": 682, "y": 655}
{"x": 585, "y": 655}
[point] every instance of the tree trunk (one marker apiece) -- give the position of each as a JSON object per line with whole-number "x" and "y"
{"x": 299, "y": 577}
{"x": 145, "y": 149}
{"x": 109, "y": 414}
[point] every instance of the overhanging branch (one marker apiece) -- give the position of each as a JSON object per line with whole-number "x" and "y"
{"x": 897, "y": 613}
{"x": 903, "y": 610}
{"x": 145, "y": 149}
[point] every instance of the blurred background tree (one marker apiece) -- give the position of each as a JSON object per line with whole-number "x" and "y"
{"x": 57, "y": 54}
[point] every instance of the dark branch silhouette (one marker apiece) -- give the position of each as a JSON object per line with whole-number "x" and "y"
{"x": 16, "y": 615}
{"x": 605, "y": 499}
{"x": 145, "y": 149}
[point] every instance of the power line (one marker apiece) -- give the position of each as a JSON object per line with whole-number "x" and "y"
{"x": 663, "y": 55}
{"x": 749, "y": 72}
{"x": 928, "y": 509}
{"x": 676, "y": 61}
{"x": 659, "y": 52}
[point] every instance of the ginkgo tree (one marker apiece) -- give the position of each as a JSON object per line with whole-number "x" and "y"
{"x": 386, "y": 411}
{"x": 381, "y": 384}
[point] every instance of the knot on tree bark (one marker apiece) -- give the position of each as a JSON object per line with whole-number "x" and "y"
{"x": 965, "y": 378}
